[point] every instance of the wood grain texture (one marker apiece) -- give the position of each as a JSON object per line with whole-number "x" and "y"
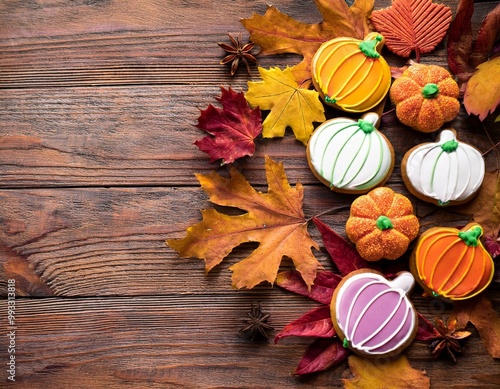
{"x": 98, "y": 105}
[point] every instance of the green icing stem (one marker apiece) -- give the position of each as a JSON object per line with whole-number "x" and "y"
{"x": 449, "y": 146}
{"x": 365, "y": 126}
{"x": 345, "y": 343}
{"x": 430, "y": 91}
{"x": 368, "y": 47}
{"x": 384, "y": 223}
{"x": 471, "y": 237}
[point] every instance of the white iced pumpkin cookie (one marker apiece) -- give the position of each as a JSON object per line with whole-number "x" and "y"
{"x": 350, "y": 156}
{"x": 446, "y": 172}
{"x": 373, "y": 316}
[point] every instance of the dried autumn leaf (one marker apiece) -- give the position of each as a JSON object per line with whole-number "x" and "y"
{"x": 386, "y": 373}
{"x": 274, "y": 219}
{"x": 322, "y": 290}
{"x": 463, "y": 56}
{"x": 412, "y": 25}
{"x": 344, "y": 255}
{"x": 482, "y": 95}
{"x": 480, "y": 312}
{"x": 278, "y": 33}
{"x": 321, "y": 355}
{"x": 485, "y": 207}
{"x": 425, "y": 330}
{"x": 290, "y": 105}
{"x": 316, "y": 322}
{"x": 231, "y": 130}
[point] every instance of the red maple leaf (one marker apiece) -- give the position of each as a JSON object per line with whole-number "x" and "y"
{"x": 231, "y": 130}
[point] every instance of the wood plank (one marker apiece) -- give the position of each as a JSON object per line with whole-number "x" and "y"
{"x": 188, "y": 341}
{"x": 87, "y": 43}
{"x": 131, "y": 136}
{"x": 98, "y": 242}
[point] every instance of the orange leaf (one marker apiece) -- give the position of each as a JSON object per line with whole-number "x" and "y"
{"x": 384, "y": 373}
{"x": 275, "y": 219}
{"x": 485, "y": 207}
{"x": 278, "y": 33}
{"x": 412, "y": 25}
{"x": 482, "y": 95}
{"x": 480, "y": 312}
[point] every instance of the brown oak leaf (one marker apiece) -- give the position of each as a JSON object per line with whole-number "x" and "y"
{"x": 274, "y": 219}
{"x": 385, "y": 373}
{"x": 278, "y": 33}
{"x": 481, "y": 313}
{"x": 412, "y": 26}
{"x": 231, "y": 130}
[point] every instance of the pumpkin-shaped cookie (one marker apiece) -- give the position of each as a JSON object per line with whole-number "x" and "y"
{"x": 350, "y": 74}
{"x": 425, "y": 97}
{"x": 382, "y": 224}
{"x": 350, "y": 156}
{"x": 446, "y": 172}
{"x": 452, "y": 263}
{"x": 374, "y": 316}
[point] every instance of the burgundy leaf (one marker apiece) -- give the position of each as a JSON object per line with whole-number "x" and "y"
{"x": 492, "y": 245}
{"x": 320, "y": 355}
{"x": 486, "y": 37}
{"x": 322, "y": 290}
{"x": 460, "y": 38}
{"x": 231, "y": 130}
{"x": 317, "y": 323}
{"x": 344, "y": 255}
{"x": 426, "y": 330}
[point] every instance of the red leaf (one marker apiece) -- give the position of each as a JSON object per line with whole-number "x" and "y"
{"x": 492, "y": 244}
{"x": 231, "y": 130}
{"x": 321, "y": 291}
{"x": 322, "y": 354}
{"x": 344, "y": 255}
{"x": 317, "y": 323}
{"x": 425, "y": 330}
{"x": 460, "y": 38}
{"x": 486, "y": 37}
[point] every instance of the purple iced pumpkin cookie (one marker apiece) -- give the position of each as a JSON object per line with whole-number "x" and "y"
{"x": 374, "y": 316}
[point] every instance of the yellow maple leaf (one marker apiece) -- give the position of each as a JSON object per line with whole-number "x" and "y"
{"x": 290, "y": 105}
{"x": 482, "y": 95}
{"x": 387, "y": 374}
{"x": 274, "y": 219}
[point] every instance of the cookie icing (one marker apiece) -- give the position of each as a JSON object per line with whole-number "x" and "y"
{"x": 350, "y": 155}
{"x": 374, "y": 314}
{"x": 453, "y": 264}
{"x": 447, "y": 170}
{"x": 351, "y": 74}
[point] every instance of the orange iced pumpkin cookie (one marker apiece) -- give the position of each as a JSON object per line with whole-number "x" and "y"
{"x": 425, "y": 97}
{"x": 452, "y": 263}
{"x": 382, "y": 224}
{"x": 350, "y": 74}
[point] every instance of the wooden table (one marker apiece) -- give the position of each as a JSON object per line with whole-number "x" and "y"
{"x": 98, "y": 105}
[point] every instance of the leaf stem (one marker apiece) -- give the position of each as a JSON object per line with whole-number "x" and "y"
{"x": 330, "y": 211}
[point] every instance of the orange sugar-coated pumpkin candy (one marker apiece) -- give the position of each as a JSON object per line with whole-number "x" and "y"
{"x": 382, "y": 224}
{"x": 425, "y": 97}
{"x": 452, "y": 263}
{"x": 350, "y": 74}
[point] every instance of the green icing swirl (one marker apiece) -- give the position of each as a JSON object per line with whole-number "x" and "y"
{"x": 471, "y": 237}
{"x": 384, "y": 223}
{"x": 368, "y": 47}
{"x": 449, "y": 146}
{"x": 430, "y": 91}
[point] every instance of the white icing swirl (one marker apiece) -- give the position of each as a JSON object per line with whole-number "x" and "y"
{"x": 348, "y": 157}
{"x": 445, "y": 175}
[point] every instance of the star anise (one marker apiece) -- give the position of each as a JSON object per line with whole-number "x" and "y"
{"x": 256, "y": 326}
{"x": 448, "y": 339}
{"x": 236, "y": 52}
